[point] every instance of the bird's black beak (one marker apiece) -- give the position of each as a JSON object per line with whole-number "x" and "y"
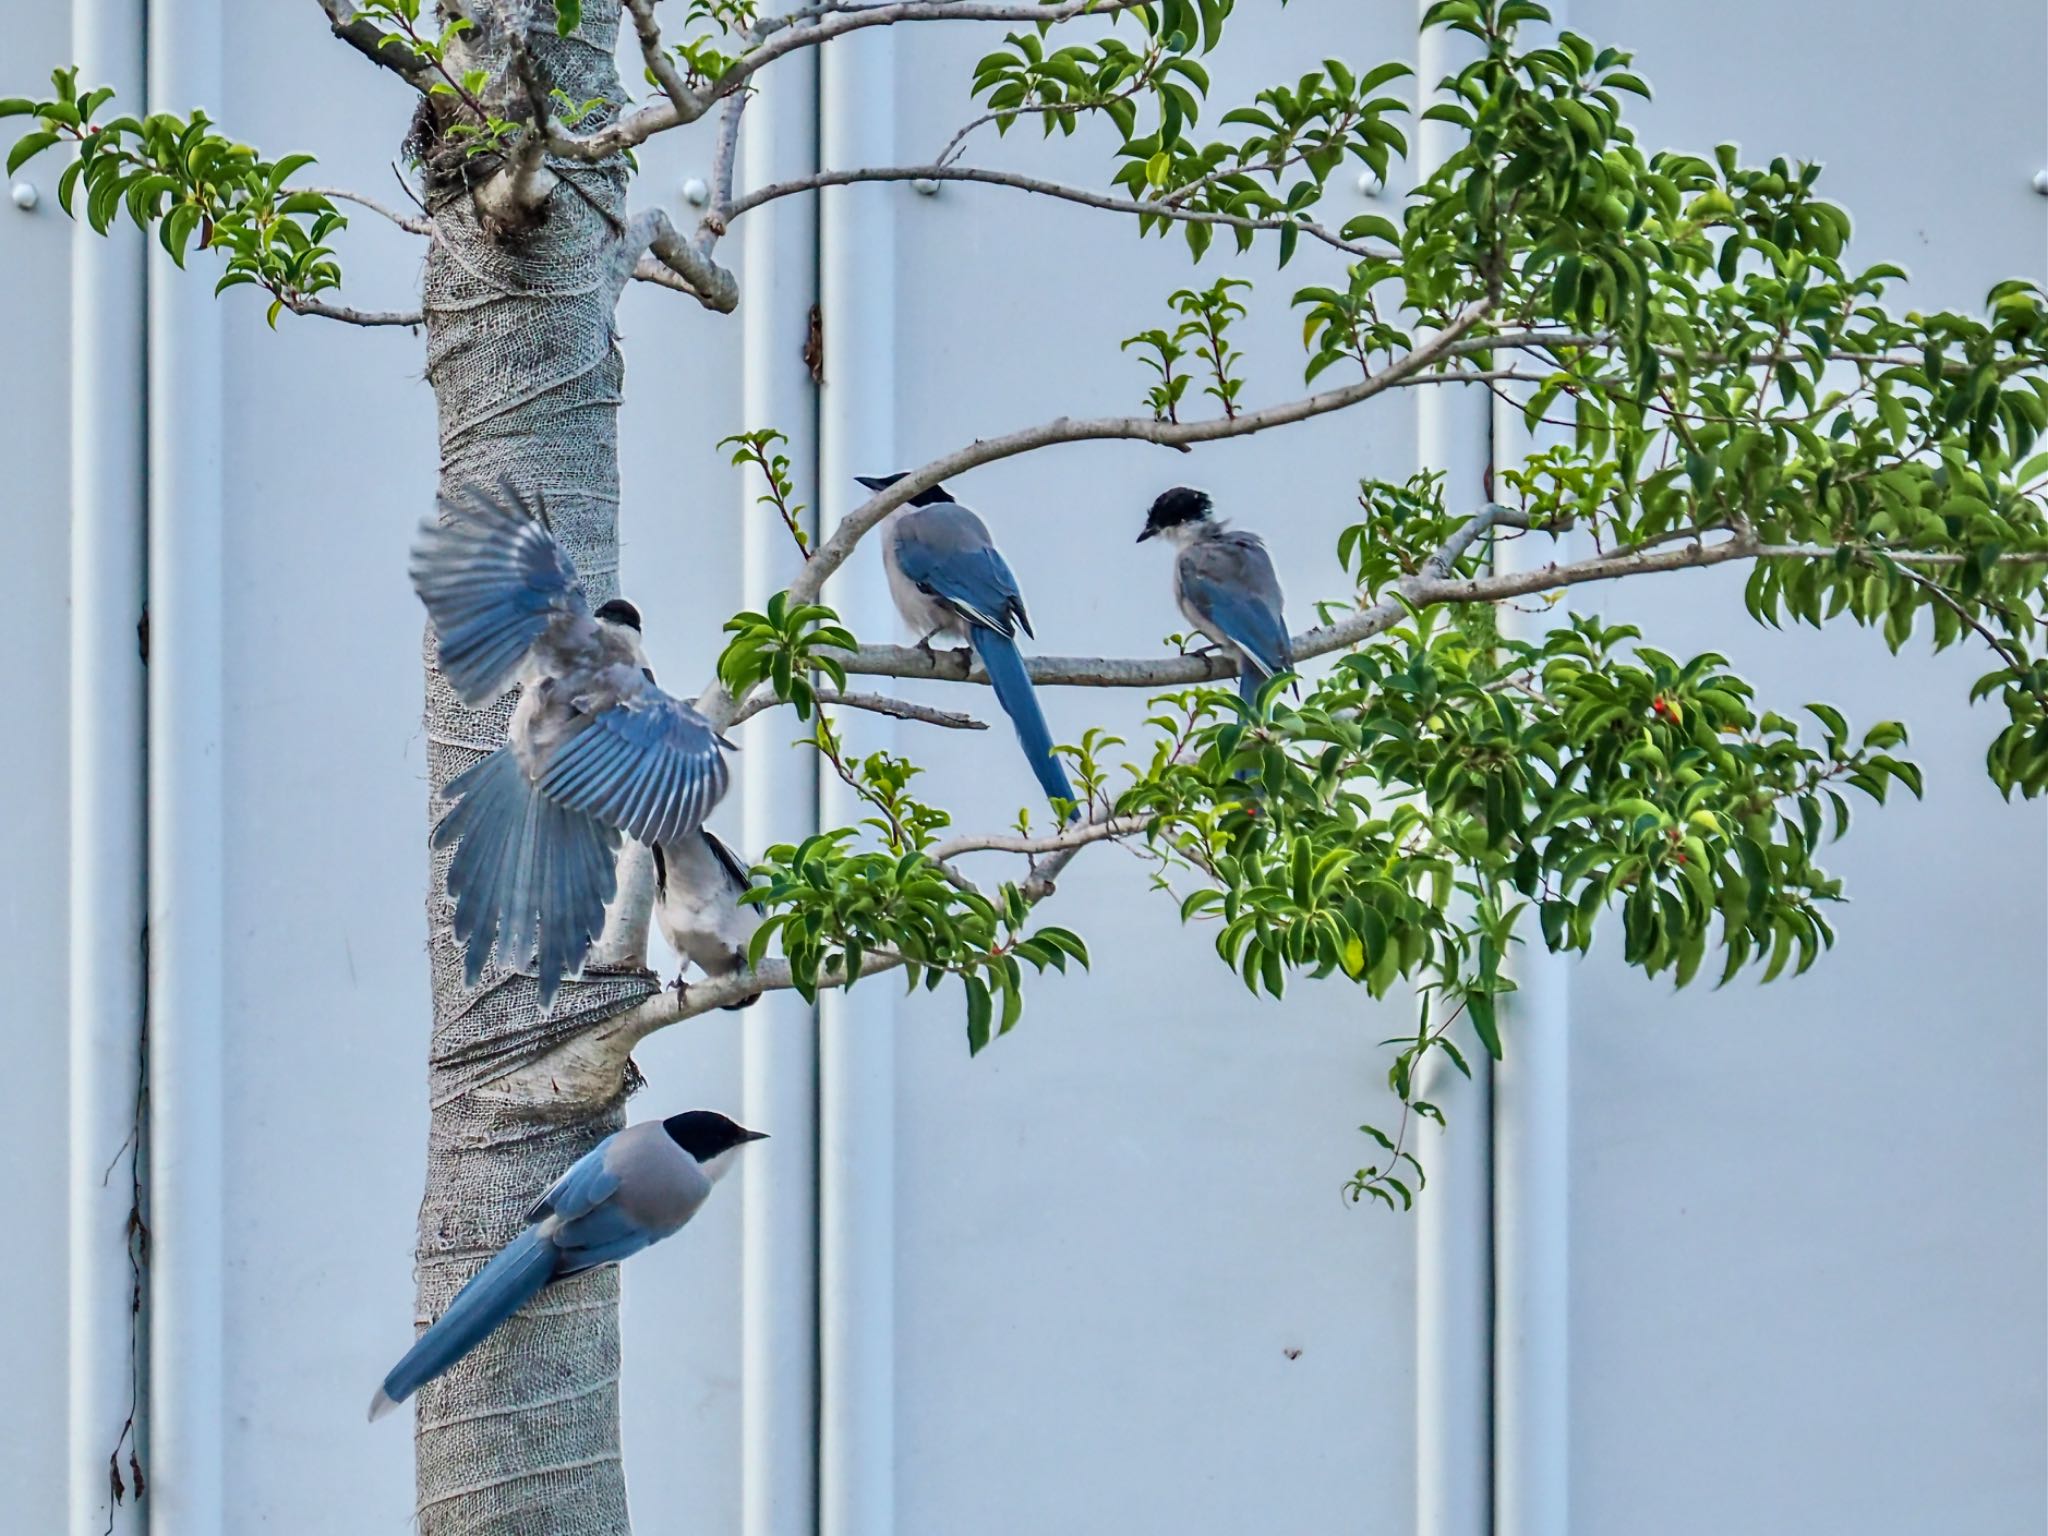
{"x": 1149, "y": 531}
{"x": 878, "y": 482}
{"x": 753, "y": 1135}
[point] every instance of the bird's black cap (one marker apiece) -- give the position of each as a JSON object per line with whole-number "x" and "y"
{"x": 704, "y": 1133}
{"x": 619, "y": 611}
{"x": 1174, "y": 507}
{"x": 928, "y": 498}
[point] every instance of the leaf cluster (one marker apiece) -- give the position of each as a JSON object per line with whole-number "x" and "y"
{"x": 192, "y": 183}
{"x": 783, "y": 646}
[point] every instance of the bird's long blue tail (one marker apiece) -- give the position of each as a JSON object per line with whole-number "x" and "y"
{"x": 514, "y": 1277}
{"x": 528, "y": 875}
{"x": 1019, "y": 699}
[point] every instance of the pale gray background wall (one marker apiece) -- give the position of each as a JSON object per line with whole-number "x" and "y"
{"x": 1808, "y": 1266}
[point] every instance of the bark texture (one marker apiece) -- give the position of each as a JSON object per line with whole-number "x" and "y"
{"x": 523, "y": 1437}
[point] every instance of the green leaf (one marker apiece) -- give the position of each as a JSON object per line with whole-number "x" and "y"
{"x": 27, "y": 148}
{"x": 568, "y": 16}
{"x": 979, "y": 1013}
{"x": 1480, "y": 1006}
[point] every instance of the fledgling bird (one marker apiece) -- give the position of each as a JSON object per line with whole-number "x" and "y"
{"x": 948, "y": 578}
{"x": 1223, "y": 581}
{"x": 594, "y": 748}
{"x": 698, "y": 885}
{"x": 634, "y": 1188}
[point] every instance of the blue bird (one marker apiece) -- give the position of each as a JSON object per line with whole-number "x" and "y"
{"x": 594, "y": 748}
{"x": 1224, "y": 582}
{"x": 634, "y": 1188}
{"x": 948, "y": 578}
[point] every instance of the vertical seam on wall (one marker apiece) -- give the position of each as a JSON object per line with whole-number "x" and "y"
{"x": 814, "y": 525}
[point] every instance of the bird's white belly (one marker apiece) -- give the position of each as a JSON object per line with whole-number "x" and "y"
{"x": 697, "y": 914}
{"x": 706, "y": 933}
{"x": 925, "y": 614}
{"x": 1188, "y": 612}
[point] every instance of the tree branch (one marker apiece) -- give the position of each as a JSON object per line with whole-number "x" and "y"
{"x": 938, "y": 171}
{"x": 366, "y": 317}
{"x": 718, "y": 705}
{"x": 384, "y": 49}
{"x": 1432, "y": 584}
{"x": 588, "y": 1066}
{"x": 808, "y": 29}
{"x": 725, "y": 157}
{"x": 688, "y": 106}
{"x": 512, "y": 198}
{"x": 1077, "y": 836}
{"x": 874, "y": 703}
{"x": 703, "y": 279}
{"x": 412, "y": 224}
{"x": 834, "y": 551}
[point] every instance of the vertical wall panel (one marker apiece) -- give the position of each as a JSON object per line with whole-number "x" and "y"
{"x": 1118, "y": 1223}
{"x": 35, "y": 250}
{"x": 329, "y": 466}
{"x": 1808, "y": 1266}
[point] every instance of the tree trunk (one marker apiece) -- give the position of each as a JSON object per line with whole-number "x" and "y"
{"x": 522, "y": 1437}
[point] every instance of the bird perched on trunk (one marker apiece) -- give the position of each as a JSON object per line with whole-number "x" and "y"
{"x": 698, "y": 885}
{"x": 634, "y": 1188}
{"x": 593, "y": 749}
{"x": 1223, "y": 580}
{"x": 948, "y": 578}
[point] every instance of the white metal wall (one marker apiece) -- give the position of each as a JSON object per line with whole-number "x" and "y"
{"x": 35, "y": 545}
{"x": 1808, "y": 1261}
{"x": 1113, "y": 1230}
{"x": 1807, "y": 1255}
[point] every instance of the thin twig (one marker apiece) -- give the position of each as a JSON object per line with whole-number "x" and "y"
{"x": 819, "y": 26}
{"x": 686, "y": 102}
{"x": 385, "y": 49}
{"x": 1066, "y": 429}
{"x": 405, "y": 221}
{"x": 725, "y": 156}
{"x": 1043, "y": 188}
{"x": 873, "y": 703}
{"x": 1079, "y": 835}
{"x": 316, "y": 309}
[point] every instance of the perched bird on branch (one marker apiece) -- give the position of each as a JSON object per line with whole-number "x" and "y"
{"x": 1223, "y": 581}
{"x": 948, "y": 578}
{"x": 594, "y": 749}
{"x": 698, "y": 885}
{"x": 634, "y": 1188}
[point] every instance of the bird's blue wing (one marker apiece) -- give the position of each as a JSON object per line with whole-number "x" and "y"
{"x": 650, "y": 766}
{"x": 585, "y": 1187}
{"x": 492, "y": 578}
{"x": 946, "y": 551}
{"x": 1232, "y": 585}
{"x": 606, "y": 1235}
